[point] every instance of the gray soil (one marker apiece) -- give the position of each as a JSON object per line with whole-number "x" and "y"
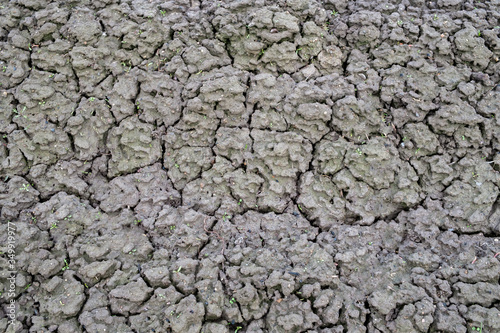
{"x": 250, "y": 166}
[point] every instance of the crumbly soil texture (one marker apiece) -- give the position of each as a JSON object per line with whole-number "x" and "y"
{"x": 248, "y": 166}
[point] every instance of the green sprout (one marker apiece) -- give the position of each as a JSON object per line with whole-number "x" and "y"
{"x": 92, "y": 99}
{"x": 53, "y": 226}
{"x": 334, "y": 13}
{"x": 239, "y": 201}
{"x": 20, "y": 113}
{"x": 127, "y": 69}
{"x": 66, "y": 265}
{"x": 359, "y": 152}
{"x": 232, "y": 301}
{"x": 163, "y": 12}
{"x": 25, "y": 187}
{"x": 237, "y": 329}
{"x": 479, "y": 33}
{"x": 179, "y": 269}
{"x": 478, "y": 329}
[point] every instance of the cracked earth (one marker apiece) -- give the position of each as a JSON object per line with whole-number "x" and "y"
{"x": 250, "y": 166}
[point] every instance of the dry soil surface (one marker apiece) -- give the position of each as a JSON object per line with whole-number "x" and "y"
{"x": 250, "y": 166}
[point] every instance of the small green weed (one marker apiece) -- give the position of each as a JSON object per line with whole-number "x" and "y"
{"x": 478, "y": 329}
{"x": 18, "y": 114}
{"x": 66, "y": 266}
{"x": 25, "y": 187}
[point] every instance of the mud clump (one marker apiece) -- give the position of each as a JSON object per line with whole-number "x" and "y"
{"x": 250, "y": 166}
